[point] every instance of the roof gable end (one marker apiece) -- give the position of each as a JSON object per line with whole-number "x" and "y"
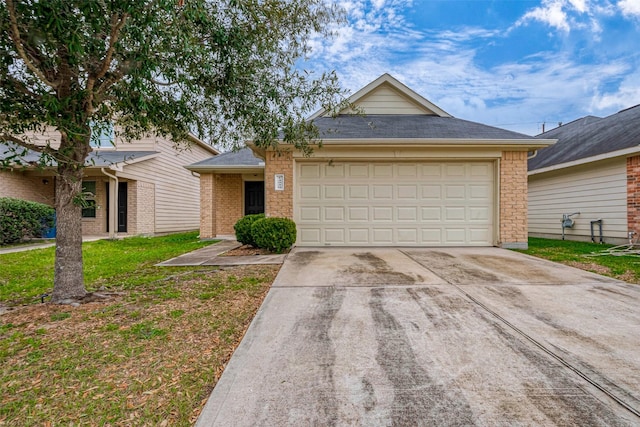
{"x": 385, "y": 96}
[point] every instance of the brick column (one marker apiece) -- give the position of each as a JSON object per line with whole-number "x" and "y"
{"x": 513, "y": 200}
{"x": 207, "y": 206}
{"x": 633, "y": 193}
{"x": 229, "y": 203}
{"x": 279, "y": 203}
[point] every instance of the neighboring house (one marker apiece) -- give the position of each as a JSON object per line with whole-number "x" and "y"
{"x": 136, "y": 188}
{"x": 404, "y": 173}
{"x": 594, "y": 171}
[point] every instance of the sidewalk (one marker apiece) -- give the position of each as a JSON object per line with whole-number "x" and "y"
{"x": 210, "y": 255}
{"x": 42, "y": 245}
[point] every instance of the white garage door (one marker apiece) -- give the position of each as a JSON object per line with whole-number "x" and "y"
{"x": 395, "y": 204}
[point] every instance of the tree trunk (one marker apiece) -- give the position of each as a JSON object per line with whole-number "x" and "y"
{"x": 68, "y": 284}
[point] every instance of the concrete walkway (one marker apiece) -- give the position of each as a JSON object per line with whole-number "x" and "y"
{"x": 422, "y": 337}
{"x": 211, "y": 255}
{"x": 41, "y": 245}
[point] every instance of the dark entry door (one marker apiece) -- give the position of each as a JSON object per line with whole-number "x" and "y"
{"x": 122, "y": 207}
{"x": 253, "y": 197}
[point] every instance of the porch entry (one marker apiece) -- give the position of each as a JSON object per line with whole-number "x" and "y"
{"x": 253, "y": 197}
{"x": 121, "y": 210}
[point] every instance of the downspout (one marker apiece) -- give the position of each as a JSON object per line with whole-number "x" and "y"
{"x": 535, "y": 153}
{"x": 113, "y": 206}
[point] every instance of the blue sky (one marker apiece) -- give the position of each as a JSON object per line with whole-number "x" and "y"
{"x": 510, "y": 63}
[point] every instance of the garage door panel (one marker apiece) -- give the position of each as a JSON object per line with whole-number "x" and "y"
{"x": 333, "y": 192}
{"x": 309, "y": 192}
{"x": 454, "y": 192}
{"x": 431, "y": 214}
{"x": 382, "y": 171}
{"x": 407, "y": 213}
{"x": 407, "y": 192}
{"x": 310, "y": 171}
{"x": 334, "y": 171}
{"x": 358, "y": 236}
{"x": 310, "y": 213}
{"x": 334, "y": 213}
{"x": 382, "y": 236}
{"x": 382, "y": 213}
{"x": 412, "y": 203}
{"x": 334, "y": 235}
{"x": 407, "y": 236}
{"x": 382, "y": 192}
{"x": 310, "y": 235}
{"x": 358, "y": 213}
{"x": 358, "y": 171}
{"x": 454, "y": 214}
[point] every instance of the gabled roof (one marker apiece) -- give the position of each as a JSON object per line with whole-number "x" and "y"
{"x": 391, "y": 87}
{"x": 96, "y": 159}
{"x": 408, "y": 127}
{"x": 232, "y": 161}
{"x": 590, "y": 137}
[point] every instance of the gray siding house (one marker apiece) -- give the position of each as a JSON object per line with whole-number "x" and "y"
{"x": 593, "y": 172}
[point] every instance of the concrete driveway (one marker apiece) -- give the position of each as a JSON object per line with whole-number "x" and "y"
{"x": 457, "y": 336}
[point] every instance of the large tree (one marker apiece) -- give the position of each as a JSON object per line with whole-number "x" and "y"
{"x": 226, "y": 70}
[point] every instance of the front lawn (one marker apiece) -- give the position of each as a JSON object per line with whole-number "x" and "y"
{"x": 150, "y": 355}
{"x": 587, "y": 256}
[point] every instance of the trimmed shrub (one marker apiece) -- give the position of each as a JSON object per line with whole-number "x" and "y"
{"x": 274, "y": 234}
{"x": 20, "y": 219}
{"x": 243, "y": 229}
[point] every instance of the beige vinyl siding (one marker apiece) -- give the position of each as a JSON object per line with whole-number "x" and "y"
{"x": 177, "y": 191}
{"x": 596, "y": 190}
{"x": 386, "y": 100}
{"x": 145, "y": 143}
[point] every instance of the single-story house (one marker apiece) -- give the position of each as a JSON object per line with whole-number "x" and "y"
{"x": 592, "y": 172}
{"x": 398, "y": 172}
{"x": 136, "y": 188}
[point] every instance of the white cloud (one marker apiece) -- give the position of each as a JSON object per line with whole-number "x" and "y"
{"x": 630, "y": 8}
{"x": 444, "y": 67}
{"x": 627, "y": 94}
{"x": 551, "y": 13}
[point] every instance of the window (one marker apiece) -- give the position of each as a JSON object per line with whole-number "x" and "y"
{"x": 89, "y": 205}
{"x": 102, "y": 135}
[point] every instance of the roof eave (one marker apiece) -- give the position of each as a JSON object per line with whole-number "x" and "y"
{"x": 226, "y": 168}
{"x": 605, "y": 156}
{"x": 531, "y": 144}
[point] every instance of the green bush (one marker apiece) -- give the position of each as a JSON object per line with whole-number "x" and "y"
{"x": 20, "y": 219}
{"x": 243, "y": 229}
{"x": 274, "y": 234}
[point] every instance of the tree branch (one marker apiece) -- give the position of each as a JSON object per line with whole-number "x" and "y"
{"x": 17, "y": 40}
{"x": 22, "y": 88}
{"x": 44, "y": 149}
{"x": 116, "y": 26}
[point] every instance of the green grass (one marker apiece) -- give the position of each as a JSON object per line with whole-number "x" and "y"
{"x": 580, "y": 254}
{"x": 148, "y": 355}
{"x": 107, "y": 263}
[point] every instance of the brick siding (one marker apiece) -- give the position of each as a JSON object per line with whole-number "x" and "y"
{"x": 228, "y": 202}
{"x": 633, "y": 193}
{"x": 279, "y": 203}
{"x": 513, "y": 199}
{"x": 27, "y": 186}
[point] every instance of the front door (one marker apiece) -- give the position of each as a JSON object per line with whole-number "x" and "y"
{"x": 122, "y": 207}
{"x": 253, "y": 197}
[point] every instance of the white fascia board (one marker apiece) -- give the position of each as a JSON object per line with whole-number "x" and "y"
{"x": 226, "y": 168}
{"x": 599, "y": 157}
